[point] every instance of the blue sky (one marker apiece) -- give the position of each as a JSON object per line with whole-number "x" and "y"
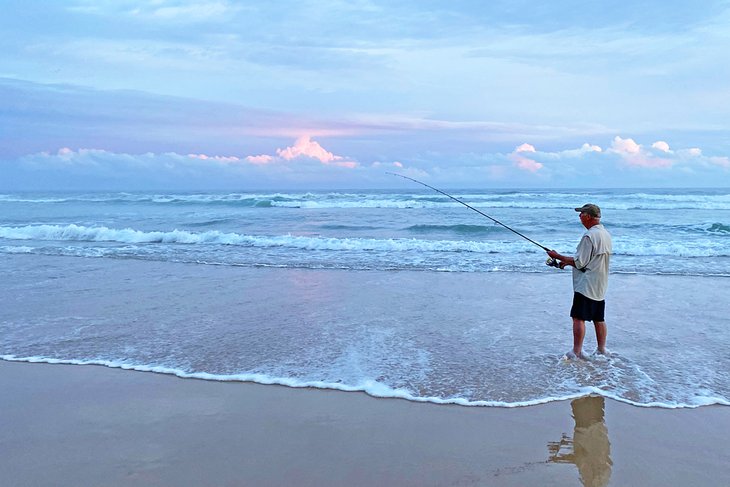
{"x": 223, "y": 94}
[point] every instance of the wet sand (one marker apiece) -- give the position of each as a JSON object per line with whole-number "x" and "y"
{"x": 65, "y": 425}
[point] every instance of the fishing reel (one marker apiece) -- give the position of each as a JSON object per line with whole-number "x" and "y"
{"x": 553, "y": 263}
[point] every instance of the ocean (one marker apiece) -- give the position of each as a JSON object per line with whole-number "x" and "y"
{"x": 403, "y": 294}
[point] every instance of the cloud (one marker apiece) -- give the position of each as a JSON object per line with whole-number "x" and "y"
{"x": 66, "y": 158}
{"x": 304, "y": 148}
{"x": 625, "y": 146}
{"x": 525, "y": 163}
{"x": 720, "y": 161}
{"x": 525, "y": 148}
{"x": 693, "y": 152}
{"x": 204, "y": 157}
{"x": 262, "y": 159}
{"x": 635, "y": 155}
{"x": 624, "y": 162}
{"x": 387, "y": 165}
{"x": 307, "y": 164}
{"x": 411, "y": 172}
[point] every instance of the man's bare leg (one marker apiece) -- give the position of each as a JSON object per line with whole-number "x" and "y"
{"x": 579, "y": 332}
{"x": 601, "y": 334}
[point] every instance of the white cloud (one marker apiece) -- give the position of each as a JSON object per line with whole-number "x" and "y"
{"x": 693, "y": 152}
{"x": 215, "y": 158}
{"x": 262, "y": 159}
{"x": 303, "y": 149}
{"x": 307, "y": 164}
{"x": 720, "y": 161}
{"x": 387, "y": 165}
{"x": 582, "y": 151}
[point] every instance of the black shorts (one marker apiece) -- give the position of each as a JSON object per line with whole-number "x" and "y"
{"x": 587, "y": 309}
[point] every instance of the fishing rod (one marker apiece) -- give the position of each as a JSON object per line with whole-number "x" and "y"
{"x": 480, "y": 212}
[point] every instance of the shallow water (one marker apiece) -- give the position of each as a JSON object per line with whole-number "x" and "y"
{"x": 466, "y": 338}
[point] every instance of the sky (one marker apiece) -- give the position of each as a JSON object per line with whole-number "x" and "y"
{"x": 335, "y": 94}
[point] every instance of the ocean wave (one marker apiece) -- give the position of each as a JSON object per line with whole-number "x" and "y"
{"x": 210, "y": 223}
{"x": 128, "y": 235}
{"x": 661, "y": 200}
{"x": 463, "y": 229}
{"x": 372, "y": 387}
{"x": 718, "y": 228}
{"x": 15, "y": 249}
{"x": 634, "y": 246}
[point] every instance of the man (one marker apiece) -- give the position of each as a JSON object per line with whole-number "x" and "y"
{"x": 590, "y": 279}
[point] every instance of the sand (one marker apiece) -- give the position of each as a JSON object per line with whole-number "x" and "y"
{"x": 66, "y": 425}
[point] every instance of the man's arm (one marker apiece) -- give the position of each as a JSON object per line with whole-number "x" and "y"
{"x": 582, "y": 256}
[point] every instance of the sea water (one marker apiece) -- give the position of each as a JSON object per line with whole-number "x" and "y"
{"x": 397, "y": 293}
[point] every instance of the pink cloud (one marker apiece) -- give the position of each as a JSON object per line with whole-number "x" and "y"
{"x": 528, "y": 164}
{"x": 304, "y": 147}
{"x": 525, "y": 163}
{"x": 625, "y": 146}
{"x": 633, "y": 154}
{"x": 525, "y": 148}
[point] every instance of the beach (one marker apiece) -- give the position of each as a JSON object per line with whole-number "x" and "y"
{"x": 67, "y": 425}
{"x": 364, "y": 243}
{"x": 384, "y": 338}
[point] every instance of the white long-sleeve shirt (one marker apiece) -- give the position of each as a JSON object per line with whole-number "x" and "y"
{"x": 593, "y": 255}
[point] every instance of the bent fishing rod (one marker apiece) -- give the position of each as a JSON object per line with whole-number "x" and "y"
{"x": 478, "y": 211}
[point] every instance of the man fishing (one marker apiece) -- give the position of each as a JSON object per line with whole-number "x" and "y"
{"x": 590, "y": 279}
{"x": 590, "y": 273}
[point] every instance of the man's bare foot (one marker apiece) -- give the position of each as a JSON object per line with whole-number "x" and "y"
{"x": 571, "y": 355}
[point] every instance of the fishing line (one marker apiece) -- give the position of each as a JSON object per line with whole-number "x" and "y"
{"x": 472, "y": 208}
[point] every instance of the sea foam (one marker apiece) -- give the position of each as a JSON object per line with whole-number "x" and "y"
{"x": 370, "y": 387}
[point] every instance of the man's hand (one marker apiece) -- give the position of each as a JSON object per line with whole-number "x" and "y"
{"x": 554, "y": 255}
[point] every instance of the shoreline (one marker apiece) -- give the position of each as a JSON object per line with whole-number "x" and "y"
{"x": 82, "y": 425}
{"x": 383, "y": 391}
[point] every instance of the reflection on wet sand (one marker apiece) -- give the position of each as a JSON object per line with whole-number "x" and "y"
{"x": 589, "y": 448}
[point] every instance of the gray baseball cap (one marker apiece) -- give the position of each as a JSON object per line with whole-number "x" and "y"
{"x": 591, "y": 209}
